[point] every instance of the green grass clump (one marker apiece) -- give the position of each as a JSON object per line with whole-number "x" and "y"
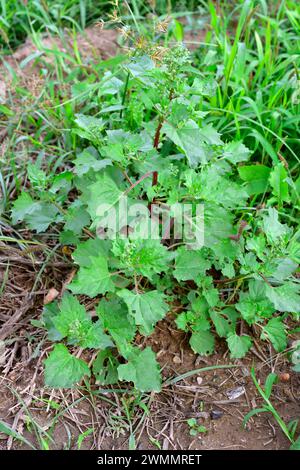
{"x": 19, "y": 19}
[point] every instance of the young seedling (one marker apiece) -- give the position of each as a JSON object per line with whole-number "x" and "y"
{"x": 195, "y": 428}
{"x": 289, "y": 430}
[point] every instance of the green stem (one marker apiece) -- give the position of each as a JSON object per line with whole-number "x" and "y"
{"x": 124, "y": 94}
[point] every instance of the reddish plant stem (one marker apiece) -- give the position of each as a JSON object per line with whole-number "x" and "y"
{"x": 242, "y": 226}
{"x": 149, "y": 173}
{"x": 155, "y": 145}
{"x": 265, "y": 279}
{"x": 154, "y": 178}
{"x": 157, "y": 133}
{"x": 156, "y": 139}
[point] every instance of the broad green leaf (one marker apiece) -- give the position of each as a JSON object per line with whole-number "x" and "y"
{"x": 198, "y": 303}
{"x": 212, "y": 296}
{"x": 248, "y": 308}
{"x": 204, "y": 86}
{"x": 272, "y": 227}
{"x": 143, "y": 370}
{"x": 132, "y": 142}
{"x": 114, "y": 152}
{"x": 153, "y": 163}
{"x": 68, "y": 237}
{"x": 190, "y": 264}
{"x": 74, "y": 323}
{"x": 226, "y": 250}
{"x": 147, "y": 308}
{"x": 285, "y": 267}
{"x": 256, "y": 177}
{"x": 139, "y": 66}
{"x": 252, "y": 309}
{"x": 224, "y": 321}
{"x": 50, "y": 311}
{"x": 254, "y": 304}
{"x": 62, "y": 370}
{"x": 238, "y": 345}
{"x": 183, "y": 319}
{"x": 93, "y": 277}
{"x": 193, "y": 140}
{"x": 76, "y": 219}
{"x": 222, "y": 191}
{"x": 107, "y": 204}
{"x": 37, "y": 215}
{"x": 90, "y": 127}
{"x": 105, "y": 368}
{"x": 37, "y": 176}
{"x": 114, "y": 317}
{"x": 109, "y": 85}
{"x": 21, "y": 207}
{"x": 87, "y": 161}
{"x": 285, "y": 298}
{"x": 95, "y": 338}
{"x": 275, "y": 332}
{"x": 210, "y": 136}
{"x": 258, "y": 245}
{"x": 202, "y": 342}
{"x": 278, "y": 181}
{"x": 61, "y": 184}
{"x": 193, "y": 320}
{"x": 218, "y": 225}
{"x": 236, "y": 152}
{"x": 89, "y": 249}
{"x": 70, "y": 311}
{"x": 145, "y": 257}
{"x": 41, "y": 216}
{"x": 101, "y": 197}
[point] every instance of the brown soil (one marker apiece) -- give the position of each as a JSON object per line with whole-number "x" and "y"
{"x": 23, "y": 399}
{"x": 94, "y": 43}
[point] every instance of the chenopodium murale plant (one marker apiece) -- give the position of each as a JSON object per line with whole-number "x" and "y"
{"x": 154, "y": 146}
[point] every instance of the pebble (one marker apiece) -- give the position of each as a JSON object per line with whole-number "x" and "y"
{"x": 235, "y": 393}
{"x": 284, "y": 377}
{"x": 216, "y": 414}
{"x": 199, "y": 380}
{"x": 177, "y": 360}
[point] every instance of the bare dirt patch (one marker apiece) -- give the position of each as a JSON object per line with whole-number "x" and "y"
{"x": 204, "y": 396}
{"x": 94, "y": 43}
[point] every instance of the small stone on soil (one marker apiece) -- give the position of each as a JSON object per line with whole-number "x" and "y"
{"x": 284, "y": 377}
{"x": 216, "y": 414}
{"x": 235, "y": 393}
{"x": 177, "y": 360}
